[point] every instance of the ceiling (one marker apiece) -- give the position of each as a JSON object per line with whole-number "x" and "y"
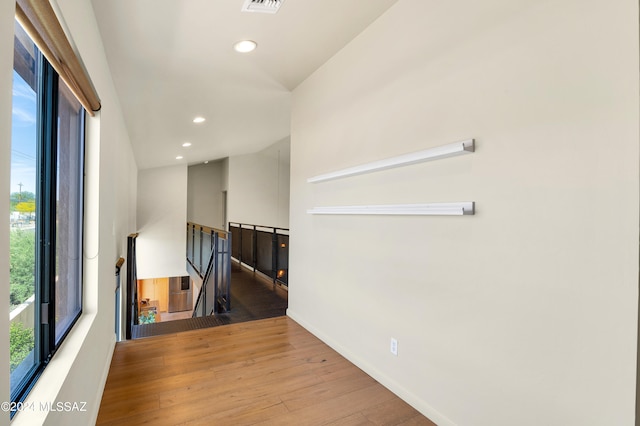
{"x": 172, "y": 60}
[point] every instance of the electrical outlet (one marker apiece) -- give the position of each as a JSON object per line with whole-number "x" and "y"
{"x": 394, "y": 346}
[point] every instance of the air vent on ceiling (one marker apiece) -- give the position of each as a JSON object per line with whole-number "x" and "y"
{"x": 262, "y": 6}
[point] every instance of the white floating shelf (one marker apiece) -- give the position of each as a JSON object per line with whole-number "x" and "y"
{"x": 444, "y": 151}
{"x": 435, "y": 209}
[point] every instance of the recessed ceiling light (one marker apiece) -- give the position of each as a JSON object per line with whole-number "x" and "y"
{"x": 179, "y": 157}
{"x": 245, "y": 46}
{"x": 186, "y": 144}
{"x": 199, "y": 120}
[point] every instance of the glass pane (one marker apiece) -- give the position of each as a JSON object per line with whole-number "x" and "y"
{"x": 207, "y": 248}
{"x": 264, "y": 261}
{"x": 247, "y": 246}
{"x": 283, "y": 259}
{"x": 22, "y": 220}
{"x": 235, "y": 250}
{"x": 222, "y": 283}
{"x": 190, "y": 242}
{"x": 196, "y": 252}
{"x": 70, "y": 159}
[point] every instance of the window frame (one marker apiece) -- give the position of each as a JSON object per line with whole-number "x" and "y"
{"x": 45, "y": 234}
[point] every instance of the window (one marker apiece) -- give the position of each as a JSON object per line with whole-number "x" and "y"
{"x": 24, "y": 192}
{"x": 47, "y": 158}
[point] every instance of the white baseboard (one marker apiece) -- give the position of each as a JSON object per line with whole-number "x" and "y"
{"x": 103, "y": 379}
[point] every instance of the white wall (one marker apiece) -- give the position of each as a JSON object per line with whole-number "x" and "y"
{"x": 525, "y": 313}
{"x": 78, "y": 370}
{"x": 204, "y": 194}
{"x": 225, "y": 174}
{"x": 258, "y": 186}
{"x": 162, "y": 222}
{"x": 127, "y": 176}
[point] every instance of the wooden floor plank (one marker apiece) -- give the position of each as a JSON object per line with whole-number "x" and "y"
{"x": 270, "y": 372}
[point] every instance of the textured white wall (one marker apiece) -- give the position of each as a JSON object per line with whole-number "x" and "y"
{"x": 162, "y": 222}
{"x": 525, "y": 313}
{"x": 204, "y": 194}
{"x": 258, "y": 187}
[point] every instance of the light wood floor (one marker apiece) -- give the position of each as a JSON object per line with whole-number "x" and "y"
{"x": 270, "y": 372}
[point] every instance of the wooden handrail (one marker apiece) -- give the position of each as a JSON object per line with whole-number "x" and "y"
{"x": 221, "y": 232}
{"x": 119, "y": 264}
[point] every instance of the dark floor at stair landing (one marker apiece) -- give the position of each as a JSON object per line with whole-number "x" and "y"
{"x": 252, "y": 298}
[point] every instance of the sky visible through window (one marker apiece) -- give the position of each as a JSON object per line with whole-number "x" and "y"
{"x": 23, "y": 148}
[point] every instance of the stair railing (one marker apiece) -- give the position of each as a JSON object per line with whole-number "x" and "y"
{"x": 208, "y": 253}
{"x": 132, "y": 287}
{"x": 263, "y": 249}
